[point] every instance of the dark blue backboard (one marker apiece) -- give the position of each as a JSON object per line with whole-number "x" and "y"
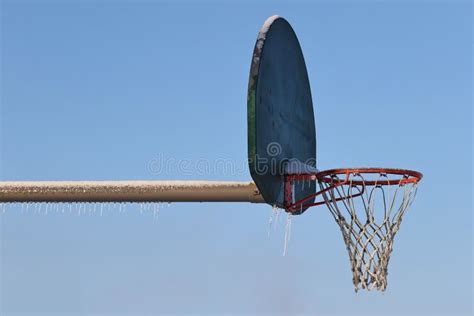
{"x": 281, "y": 124}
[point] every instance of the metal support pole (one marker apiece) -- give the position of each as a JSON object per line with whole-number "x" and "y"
{"x": 129, "y": 191}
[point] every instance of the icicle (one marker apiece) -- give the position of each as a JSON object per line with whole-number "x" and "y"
{"x": 287, "y": 233}
{"x": 271, "y": 219}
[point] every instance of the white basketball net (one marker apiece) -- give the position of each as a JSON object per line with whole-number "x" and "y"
{"x": 369, "y": 215}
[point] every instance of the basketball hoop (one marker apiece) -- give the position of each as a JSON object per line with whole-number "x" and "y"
{"x": 368, "y": 204}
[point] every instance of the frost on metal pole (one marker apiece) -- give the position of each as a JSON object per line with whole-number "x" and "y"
{"x": 129, "y": 191}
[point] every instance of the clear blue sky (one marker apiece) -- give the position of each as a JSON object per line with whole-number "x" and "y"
{"x": 96, "y": 90}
